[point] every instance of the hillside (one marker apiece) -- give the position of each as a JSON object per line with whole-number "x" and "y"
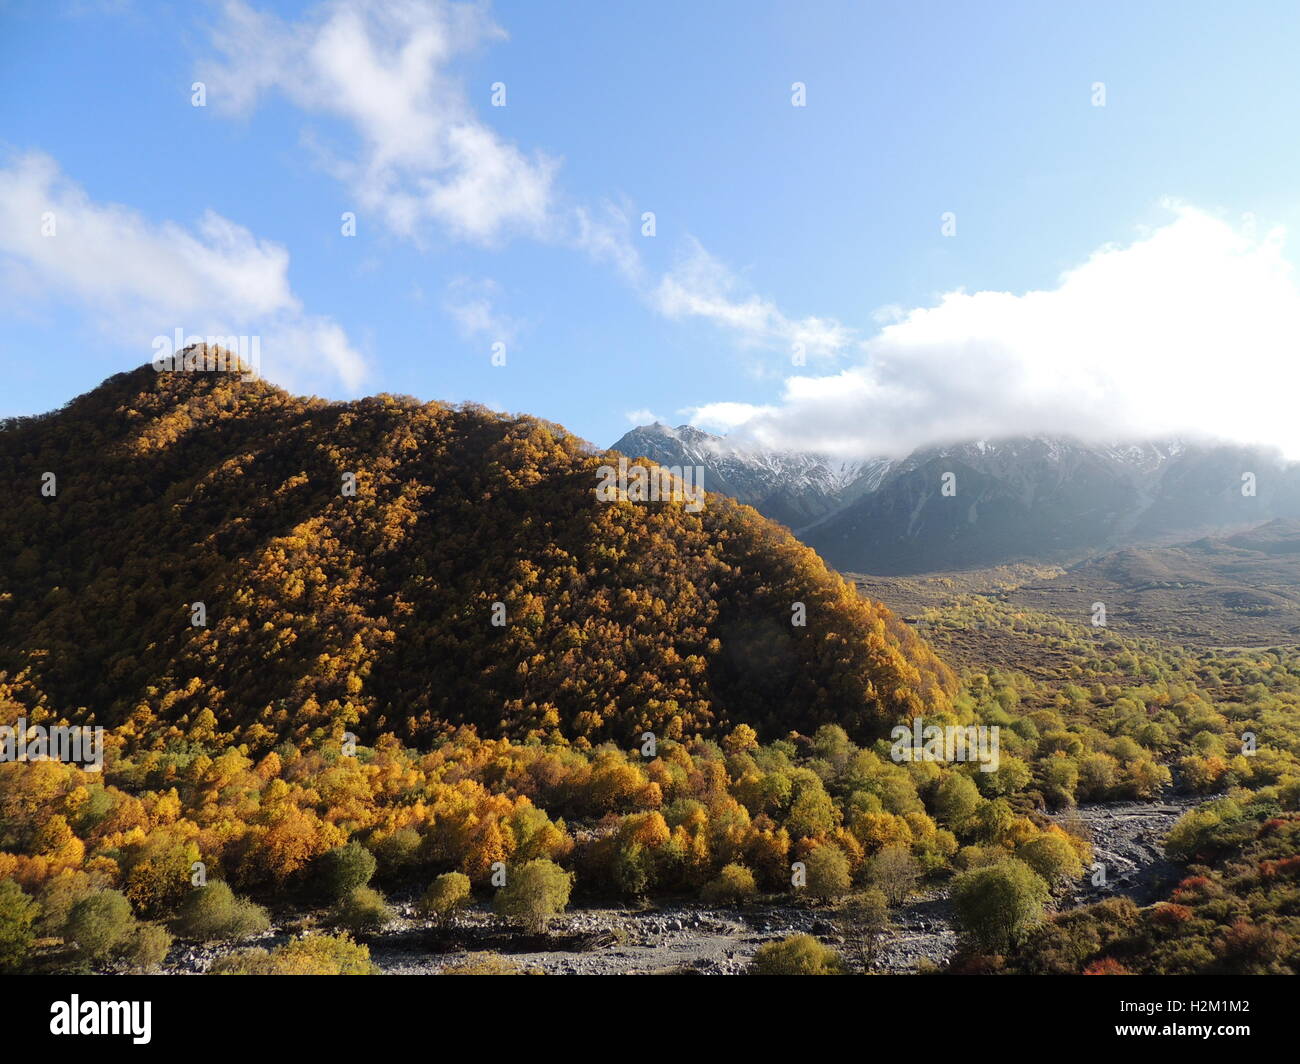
{"x": 375, "y": 611}
{"x": 1239, "y": 590}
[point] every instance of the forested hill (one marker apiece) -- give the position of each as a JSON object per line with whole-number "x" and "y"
{"x": 374, "y": 611}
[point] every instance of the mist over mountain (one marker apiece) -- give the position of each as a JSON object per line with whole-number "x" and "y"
{"x": 1024, "y": 498}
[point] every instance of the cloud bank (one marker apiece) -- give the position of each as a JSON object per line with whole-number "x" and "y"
{"x": 1191, "y": 330}
{"x": 136, "y": 279}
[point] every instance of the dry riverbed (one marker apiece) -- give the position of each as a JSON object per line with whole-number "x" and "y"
{"x": 688, "y": 938}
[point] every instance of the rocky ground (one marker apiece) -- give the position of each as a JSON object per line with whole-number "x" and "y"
{"x": 689, "y": 938}
{"x": 1127, "y": 841}
{"x": 683, "y": 939}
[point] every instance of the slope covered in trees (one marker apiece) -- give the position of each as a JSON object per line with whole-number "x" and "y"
{"x": 324, "y": 610}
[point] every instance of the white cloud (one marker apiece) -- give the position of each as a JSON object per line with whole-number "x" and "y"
{"x": 604, "y": 236}
{"x": 1193, "y": 329}
{"x": 471, "y": 305}
{"x": 383, "y": 68}
{"x": 642, "y": 417}
{"x": 725, "y": 417}
{"x": 139, "y": 279}
{"x": 700, "y": 286}
{"x": 422, "y": 156}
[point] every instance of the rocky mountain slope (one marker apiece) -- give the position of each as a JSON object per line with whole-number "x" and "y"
{"x": 788, "y": 486}
{"x": 988, "y": 503}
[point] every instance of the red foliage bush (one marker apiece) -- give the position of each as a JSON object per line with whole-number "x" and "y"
{"x": 1192, "y": 888}
{"x": 1106, "y": 966}
{"x": 1169, "y": 914}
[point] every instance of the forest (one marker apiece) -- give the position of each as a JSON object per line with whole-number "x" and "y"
{"x": 348, "y": 735}
{"x": 301, "y": 569}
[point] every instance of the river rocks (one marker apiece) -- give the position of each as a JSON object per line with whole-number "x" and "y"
{"x": 1128, "y": 842}
{"x": 687, "y": 938}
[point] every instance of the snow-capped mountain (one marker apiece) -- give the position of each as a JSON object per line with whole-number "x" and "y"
{"x": 989, "y": 502}
{"x": 789, "y": 486}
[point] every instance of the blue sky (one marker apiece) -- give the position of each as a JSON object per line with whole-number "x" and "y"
{"x": 1169, "y": 207}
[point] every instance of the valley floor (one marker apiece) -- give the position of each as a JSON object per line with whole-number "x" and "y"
{"x": 1126, "y": 837}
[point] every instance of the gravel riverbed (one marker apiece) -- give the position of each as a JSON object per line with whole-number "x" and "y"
{"x": 692, "y": 938}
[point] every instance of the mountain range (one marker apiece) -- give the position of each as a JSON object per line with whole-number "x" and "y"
{"x": 989, "y": 502}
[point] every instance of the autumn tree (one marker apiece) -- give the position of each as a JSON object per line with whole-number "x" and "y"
{"x": 733, "y": 885}
{"x": 827, "y": 872}
{"x": 894, "y": 872}
{"x": 445, "y": 896}
{"x": 863, "y": 921}
{"x": 18, "y": 914}
{"x": 996, "y": 904}
{"x": 534, "y": 892}
{"x": 1052, "y": 857}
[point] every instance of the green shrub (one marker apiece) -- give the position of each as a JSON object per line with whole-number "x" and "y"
{"x": 534, "y": 892}
{"x": 212, "y": 913}
{"x": 343, "y": 869}
{"x": 398, "y": 854}
{"x": 733, "y": 885}
{"x": 147, "y": 948}
{"x": 445, "y": 896}
{"x": 17, "y": 915}
{"x": 956, "y": 800}
{"x": 827, "y": 871}
{"x": 996, "y": 904}
{"x": 1052, "y": 857}
{"x": 796, "y": 955}
{"x": 364, "y": 909}
{"x": 101, "y": 925}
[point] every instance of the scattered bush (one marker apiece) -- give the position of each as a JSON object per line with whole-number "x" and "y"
{"x": 101, "y": 925}
{"x": 733, "y": 885}
{"x": 894, "y": 872}
{"x": 212, "y": 913}
{"x": 827, "y": 871}
{"x": 996, "y": 904}
{"x": 343, "y": 869}
{"x": 362, "y": 910}
{"x": 311, "y": 955}
{"x": 796, "y": 955}
{"x": 147, "y": 948}
{"x": 534, "y": 892}
{"x": 446, "y": 895}
{"x": 18, "y": 914}
{"x": 1052, "y": 857}
{"x": 482, "y": 964}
